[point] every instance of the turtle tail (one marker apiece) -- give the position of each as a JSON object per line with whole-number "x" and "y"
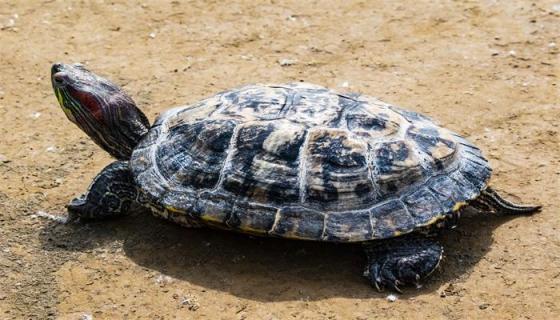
{"x": 490, "y": 200}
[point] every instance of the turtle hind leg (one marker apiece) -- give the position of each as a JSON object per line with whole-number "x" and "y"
{"x": 490, "y": 200}
{"x": 110, "y": 194}
{"x": 401, "y": 261}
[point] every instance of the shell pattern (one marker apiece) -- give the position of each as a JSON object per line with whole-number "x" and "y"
{"x": 305, "y": 162}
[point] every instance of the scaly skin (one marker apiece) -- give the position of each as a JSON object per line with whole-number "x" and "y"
{"x": 111, "y": 194}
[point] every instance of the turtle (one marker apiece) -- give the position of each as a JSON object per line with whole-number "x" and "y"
{"x": 294, "y": 161}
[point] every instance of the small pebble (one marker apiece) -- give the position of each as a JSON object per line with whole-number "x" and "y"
{"x": 190, "y": 302}
{"x": 512, "y": 53}
{"x": 4, "y": 159}
{"x": 391, "y": 298}
{"x": 556, "y": 7}
{"x": 163, "y": 280}
{"x": 552, "y": 45}
{"x": 345, "y": 84}
{"x": 152, "y": 35}
{"x": 287, "y": 62}
{"x": 35, "y": 115}
{"x": 86, "y": 316}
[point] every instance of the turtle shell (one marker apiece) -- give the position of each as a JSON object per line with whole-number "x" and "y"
{"x": 301, "y": 161}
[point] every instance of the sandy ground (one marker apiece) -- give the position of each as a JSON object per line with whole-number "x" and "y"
{"x": 489, "y": 70}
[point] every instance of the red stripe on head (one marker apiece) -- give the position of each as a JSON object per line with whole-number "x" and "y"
{"x": 88, "y": 101}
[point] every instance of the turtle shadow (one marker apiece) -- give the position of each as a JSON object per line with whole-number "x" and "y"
{"x": 262, "y": 269}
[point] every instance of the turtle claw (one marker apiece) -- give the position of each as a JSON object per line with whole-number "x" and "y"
{"x": 383, "y": 279}
{"x": 395, "y": 286}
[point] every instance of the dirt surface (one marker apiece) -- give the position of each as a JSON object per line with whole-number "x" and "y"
{"x": 489, "y": 70}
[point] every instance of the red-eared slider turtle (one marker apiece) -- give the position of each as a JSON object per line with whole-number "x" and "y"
{"x": 296, "y": 161}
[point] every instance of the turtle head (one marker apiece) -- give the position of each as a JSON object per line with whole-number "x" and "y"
{"x": 100, "y": 108}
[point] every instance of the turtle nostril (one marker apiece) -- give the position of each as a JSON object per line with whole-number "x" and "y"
{"x": 56, "y": 67}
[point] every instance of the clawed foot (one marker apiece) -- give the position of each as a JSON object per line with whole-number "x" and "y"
{"x": 76, "y": 208}
{"x": 401, "y": 261}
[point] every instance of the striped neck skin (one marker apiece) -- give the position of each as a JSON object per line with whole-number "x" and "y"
{"x": 100, "y": 108}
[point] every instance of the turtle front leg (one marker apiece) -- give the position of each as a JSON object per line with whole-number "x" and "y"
{"x": 402, "y": 260}
{"x": 110, "y": 194}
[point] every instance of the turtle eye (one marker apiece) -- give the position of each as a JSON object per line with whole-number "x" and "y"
{"x": 60, "y": 79}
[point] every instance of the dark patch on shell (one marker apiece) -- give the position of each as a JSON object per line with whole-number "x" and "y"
{"x": 365, "y": 122}
{"x": 395, "y": 166}
{"x": 265, "y": 166}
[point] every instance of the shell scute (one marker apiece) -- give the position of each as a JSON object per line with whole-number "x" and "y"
{"x": 298, "y": 223}
{"x": 214, "y": 208}
{"x": 395, "y": 166}
{"x": 434, "y": 142}
{"x": 391, "y": 218}
{"x": 446, "y": 191}
{"x": 348, "y": 226}
{"x": 316, "y": 108}
{"x": 337, "y": 174}
{"x": 252, "y": 217}
{"x": 253, "y": 103}
{"x": 193, "y": 154}
{"x": 422, "y": 204}
{"x": 263, "y": 166}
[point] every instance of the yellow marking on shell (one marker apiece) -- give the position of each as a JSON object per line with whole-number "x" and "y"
{"x": 251, "y": 230}
{"x": 211, "y": 218}
{"x": 173, "y": 209}
{"x": 292, "y": 235}
{"x": 458, "y": 205}
{"x": 432, "y": 220}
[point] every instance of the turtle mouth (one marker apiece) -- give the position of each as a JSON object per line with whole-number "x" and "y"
{"x": 64, "y": 99}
